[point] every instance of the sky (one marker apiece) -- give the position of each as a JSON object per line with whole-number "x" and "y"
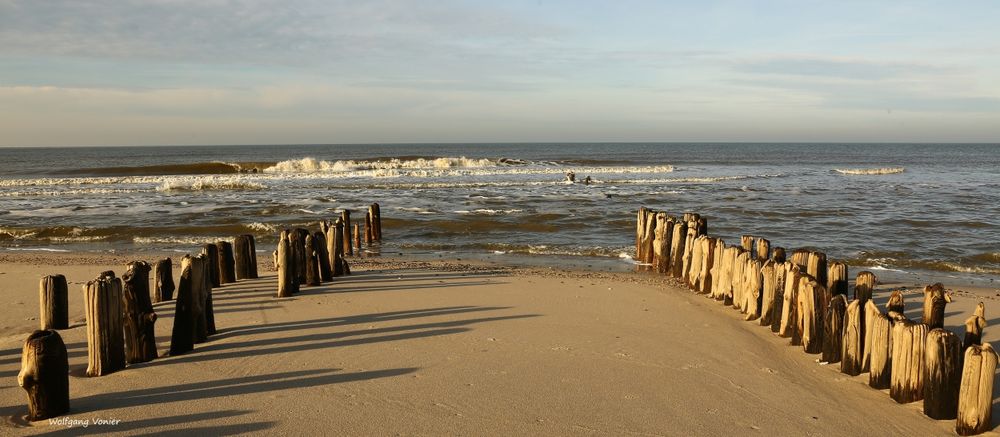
{"x": 122, "y": 72}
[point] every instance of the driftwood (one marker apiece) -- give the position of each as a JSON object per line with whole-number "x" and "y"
{"x": 44, "y": 375}
{"x": 211, "y": 252}
{"x": 837, "y": 279}
{"x": 312, "y": 262}
{"x": 763, "y": 249}
{"x": 864, "y": 285}
{"x": 140, "y": 336}
{"x": 778, "y": 255}
{"x": 790, "y": 305}
{"x": 879, "y": 328}
{"x": 53, "y": 302}
{"x": 935, "y": 299}
{"x": 288, "y": 280}
{"x": 163, "y": 280}
{"x": 975, "y": 396}
{"x": 800, "y": 257}
{"x": 908, "y": 341}
{"x": 943, "y": 374}
{"x": 345, "y": 215}
{"x": 677, "y": 248}
{"x": 661, "y": 244}
{"x": 974, "y": 327}
{"x": 246, "y": 256}
{"x": 853, "y": 339}
{"x": 323, "y": 257}
{"x": 833, "y": 329}
{"x": 816, "y": 267}
{"x": 105, "y": 340}
{"x": 227, "y": 262}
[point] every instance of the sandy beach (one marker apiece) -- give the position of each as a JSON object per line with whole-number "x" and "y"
{"x": 405, "y": 347}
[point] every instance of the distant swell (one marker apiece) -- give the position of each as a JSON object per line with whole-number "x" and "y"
{"x": 173, "y": 169}
{"x": 870, "y": 171}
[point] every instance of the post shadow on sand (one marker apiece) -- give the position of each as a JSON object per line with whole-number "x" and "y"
{"x": 183, "y": 420}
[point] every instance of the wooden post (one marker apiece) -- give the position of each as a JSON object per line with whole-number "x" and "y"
{"x": 163, "y": 280}
{"x": 694, "y": 271}
{"x": 853, "y": 339}
{"x": 183, "y": 332}
{"x": 908, "y": 341}
{"x": 357, "y": 238}
{"x": 369, "y": 232}
{"x": 708, "y": 262}
{"x": 752, "y": 285}
{"x": 833, "y": 329}
{"x": 778, "y": 255}
{"x": 864, "y": 285}
{"x": 346, "y": 217}
{"x": 323, "y": 257}
{"x": 201, "y": 268}
{"x": 677, "y": 248}
{"x": 297, "y": 243}
{"x": 780, "y": 273}
{"x": 646, "y": 240}
{"x": 746, "y": 242}
{"x": 763, "y": 249}
{"x": 312, "y": 262}
{"x": 689, "y": 246}
{"x": 837, "y": 281}
{"x": 726, "y": 280}
{"x": 140, "y": 337}
{"x": 661, "y": 244}
{"x": 870, "y": 313}
{"x": 211, "y": 252}
{"x": 288, "y": 280}
{"x": 790, "y": 305}
{"x": 246, "y": 256}
{"x": 975, "y": 396}
{"x": 53, "y": 302}
{"x": 377, "y": 219}
{"x": 770, "y": 307}
{"x": 935, "y": 299}
{"x": 974, "y": 327}
{"x": 339, "y": 268}
{"x": 943, "y": 370}
{"x": 716, "y": 272}
{"x": 44, "y": 375}
{"x": 816, "y": 267}
{"x": 800, "y": 257}
{"x": 811, "y": 315}
{"x": 880, "y": 366}
{"x": 739, "y": 277}
{"x": 895, "y": 304}
{"x": 105, "y": 340}
{"x": 227, "y": 262}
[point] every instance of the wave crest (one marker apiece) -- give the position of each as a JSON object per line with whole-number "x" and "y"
{"x": 210, "y": 183}
{"x": 313, "y": 165}
{"x": 870, "y": 171}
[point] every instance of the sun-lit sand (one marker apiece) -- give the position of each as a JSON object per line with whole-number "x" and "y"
{"x": 418, "y": 348}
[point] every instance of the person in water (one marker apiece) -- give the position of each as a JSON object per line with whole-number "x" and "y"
{"x": 570, "y": 176}
{"x": 587, "y": 180}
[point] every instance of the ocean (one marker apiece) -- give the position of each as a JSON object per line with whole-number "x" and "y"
{"x": 905, "y": 208}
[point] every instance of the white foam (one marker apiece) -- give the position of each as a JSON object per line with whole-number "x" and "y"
{"x": 210, "y": 183}
{"x": 870, "y": 171}
{"x": 262, "y": 227}
{"x": 313, "y": 165}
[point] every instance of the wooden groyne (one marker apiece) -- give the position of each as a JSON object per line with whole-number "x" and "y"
{"x": 806, "y": 299}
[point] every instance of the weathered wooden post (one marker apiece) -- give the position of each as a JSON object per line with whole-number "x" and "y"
{"x": 811, "y": 315}
{"x": 689, "y": 247}
{"x": 895, "y": 304}
{"x": 716, "y": 271}
{"x": 746, "y": 242}
{"x": 833, "y": 329}
{"x": 678, "y": 236}
{"x": 853, "y": 339}
{"x": 182, "y": 334}
{"x": 752, "y": 285}
{"x": 357, "y": 238}
{"x": 44, "y": 375}
{"x": 105, "y": 340}
{"x": 780, "y": 274}
{"x": 739, "y": 278}
{"x": 227, "y": 262}
{"x": 864, "y": 285}
{"x": 800, "y": 257}
{"x": 880, "y": 366}
{"x": 908, "y": 341}
{"x": 790, "y": 305}
{"x": 763, "y": 249}
{"x": 376, "y": 214}
{"x": 323, "y": 258}
{"x": 694, "y": 271}
{"x": 975, "y": 396}
{"x": 312, "y": 262}
{"x": 974, "y": 327}
{"x": 246, "y": 256}
{"x": 163, "y": 280}
{"x": 297, "y": 243}
{"x": 369, "y": 233}
{"x": 345, "y": 215}
{"x": 341, "y": 267}
{"x": 646, "y": 241}
{"x": 837, "y": 281}
{"x": 778, "y": 255}
{"x": 943, "y": 370}
{"x": 204, "y": 322}
{"x": 870, "y": 313}
{"x": 211, "y": 252}
{"x": 53, "y": 302}
{"x": 816, "y": 267}
{"x": 770, "y": 306}
{"x": 661, "y": 244}
{"x": 288, "y": 282}
{"x": 709, "y": 261}
{"x": 935, "y": 299}
{"x": 140, "y": 337}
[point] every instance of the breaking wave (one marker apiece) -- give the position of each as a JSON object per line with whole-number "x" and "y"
{"x": 313, "y": 165}
{"x": 210, "y": 183}
{"x": 870, "y": 171}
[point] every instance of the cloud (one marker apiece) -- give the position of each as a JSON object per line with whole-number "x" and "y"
{"x": 852, "y": 69}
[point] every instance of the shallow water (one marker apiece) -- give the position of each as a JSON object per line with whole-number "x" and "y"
{"x": 907, "y": 207}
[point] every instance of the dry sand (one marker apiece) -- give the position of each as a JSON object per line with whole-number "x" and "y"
{"x": 418, "y": 348}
